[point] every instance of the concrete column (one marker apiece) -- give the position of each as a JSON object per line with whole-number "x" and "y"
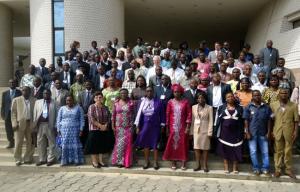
{"x": 41, "y": 31}
{"x": 6, "y": 45}
{"x": 99, "y": 20}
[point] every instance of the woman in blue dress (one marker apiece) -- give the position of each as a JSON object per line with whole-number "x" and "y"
{"x": 149, "y": 121}
{"x": 70, "y": 123}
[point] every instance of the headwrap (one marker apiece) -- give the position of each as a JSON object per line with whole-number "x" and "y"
{"x": 204, "y": 76}
{"x": 177, "y": 87}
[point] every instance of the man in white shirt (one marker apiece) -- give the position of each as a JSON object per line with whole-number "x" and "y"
{"x": 261, "y": 84}
{"x": 175, "y": 73}
{"x": 170, "y": 49}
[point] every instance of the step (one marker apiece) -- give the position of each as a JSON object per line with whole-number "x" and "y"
{"x": 214, "y": 162}
{"x": 10, "y": 166}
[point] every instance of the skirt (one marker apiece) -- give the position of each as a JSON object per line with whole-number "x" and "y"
{"x": 99, "y": 142}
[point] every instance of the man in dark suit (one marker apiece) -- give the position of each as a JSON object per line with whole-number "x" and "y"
{"x": 94, "y": 67}
{"x": 192, "y": 92}
{"x": 156, "y": 79}
{"x": 38, "y": 88}
{"x": 269, "y": 55}
{"x": 217, "y": 91}
{"x": 75, "y": 65}
{"x": 41, "y": 70}
{"x": 105, "y": 61}
{"x": 67, "y": 76}
{"x": 7, "y": 97}
{"x": 164, "y": 91}
{"x": 100, "y": 77}
{"x": 47, "y": 77}
{"x": 85, "y": 99}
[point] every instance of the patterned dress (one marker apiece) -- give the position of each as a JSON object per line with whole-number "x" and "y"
{"x": 69, "y": 123}
{"x": 178, "y": 114}
{"x": 269, "y": 95}
{"x": 122, "y": 119}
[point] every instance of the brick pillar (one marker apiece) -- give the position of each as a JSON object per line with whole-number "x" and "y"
{"x": 41, "y": 31}
{"x": 99, "y": 20}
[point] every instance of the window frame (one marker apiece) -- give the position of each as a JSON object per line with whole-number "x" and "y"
{"x": 54, "y": 29}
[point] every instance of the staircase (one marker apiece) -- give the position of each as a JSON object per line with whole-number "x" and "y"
{"x": 215, "y": 164}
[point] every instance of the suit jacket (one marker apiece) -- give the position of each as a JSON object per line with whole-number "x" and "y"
{"x": 72, "y": 75}
{"x": 159, "y": 91}
{"x": 82, "y": 100}
{"x": 48, "y": 86}
{"x": 202, "y": 124}
{"x": 107, "y": 66}
{"x": 96, "y": 81}
{"x": 18, "y": 115}
{"x": 225, "y": 88}
{"x": 6, "y": 103}
{"x": 269, "y": 58}
{"x": 41, "y": 72}
{"x": 189, "y": 96}
{"x": 284, "y": 120}
{"x": 153, "y": 82}
{"x": 39, "y": 93}
{"x": 216, "y": 65}
{"x": 60, "y": 100}
{"x": 213, "y": 57}
{"x": 38, "y": 110}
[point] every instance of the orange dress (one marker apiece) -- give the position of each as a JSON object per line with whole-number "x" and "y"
{"x": 244, "y": 97}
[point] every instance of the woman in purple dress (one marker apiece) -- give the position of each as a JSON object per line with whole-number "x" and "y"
{"x": 230, "y": 135}
{"x": 149, "y": 121}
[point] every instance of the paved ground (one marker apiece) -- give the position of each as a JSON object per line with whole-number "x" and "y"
{"x": 90, "y": 181}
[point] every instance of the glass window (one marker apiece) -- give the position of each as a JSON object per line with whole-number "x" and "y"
{"x": 296, "y": 24}
{"x": 58, "y": 14}
{"x": 59, "y": 41}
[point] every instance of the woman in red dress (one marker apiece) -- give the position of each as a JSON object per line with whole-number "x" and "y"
{"x": 178, "y": 121}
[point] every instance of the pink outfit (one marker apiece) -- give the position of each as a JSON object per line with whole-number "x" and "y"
{"x": 122, "y": 119}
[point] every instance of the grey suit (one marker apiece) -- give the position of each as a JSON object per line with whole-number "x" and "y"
{"x": 45, "y": 130}
{"x": 269, "y": 57}
{"x": 154, "y": 81}
{"x": 213, "y": 57}
{"x": 59, "y": 98}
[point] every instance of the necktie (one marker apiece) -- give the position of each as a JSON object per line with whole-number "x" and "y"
{"x": 87, "y": 100}
{"x": 45, "y": 110}
{"x": 12, "y": 94}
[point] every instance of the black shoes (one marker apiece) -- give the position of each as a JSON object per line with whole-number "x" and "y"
{"x": 10, "y": 146}
{"x": 40, "y": 163}
{"x": 50, "y": 163}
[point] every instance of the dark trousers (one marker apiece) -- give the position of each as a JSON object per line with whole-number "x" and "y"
{"x": 9, "y": 130}
{"x": 85, "y": 131}
{"x": 213, "y": 141}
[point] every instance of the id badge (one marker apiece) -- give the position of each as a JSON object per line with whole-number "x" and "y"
{"x": 162, "y": 97}
{"x": 197, "y": 121}
{"x": 113, "y": 99}
{"x": 202, "y": 70}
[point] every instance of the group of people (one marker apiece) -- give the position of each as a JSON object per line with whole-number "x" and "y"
{"x": 117, "y": 99}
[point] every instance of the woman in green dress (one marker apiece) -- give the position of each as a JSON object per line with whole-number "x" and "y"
{"x": 110, "y": 94}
